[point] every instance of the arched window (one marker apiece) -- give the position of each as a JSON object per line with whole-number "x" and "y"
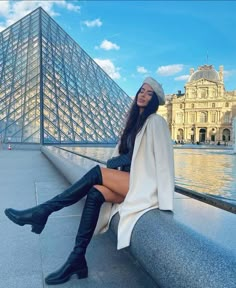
{"x": 227, "y": 104}
{"x": 202, "y": 135}
{"x": 213, "y": 105}
{"x": 226, "y": 135}
{"x": 213, "y": 134}
{"x": 203, "y": 117}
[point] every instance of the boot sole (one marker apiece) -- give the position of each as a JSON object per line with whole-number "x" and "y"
{"x": 36, "y": 228}
{"x": 81, "y": 274}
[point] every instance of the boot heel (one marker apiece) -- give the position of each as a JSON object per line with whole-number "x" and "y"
{"x": 83, "y": 273}
{"x": 37, "y": 228}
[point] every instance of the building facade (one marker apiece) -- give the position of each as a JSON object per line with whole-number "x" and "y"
{"x": 52, "y": 91}
{"x": 204, "y": 113}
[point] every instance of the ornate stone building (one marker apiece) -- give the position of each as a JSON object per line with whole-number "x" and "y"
{"x": 205, "y": 112}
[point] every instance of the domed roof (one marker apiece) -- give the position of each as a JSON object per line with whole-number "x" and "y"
{"x": 206, "y": 72}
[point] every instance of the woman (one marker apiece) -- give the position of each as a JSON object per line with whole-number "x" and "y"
{"x": 145, "y": 183}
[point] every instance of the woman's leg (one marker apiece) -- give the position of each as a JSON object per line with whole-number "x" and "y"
{"x": 37, "y": 216}
{"x": 109, "y": 195}
{"x": 76, "y": 263}
{"x": 115, "y": 185}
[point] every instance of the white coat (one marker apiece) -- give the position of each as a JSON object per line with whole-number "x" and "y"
{"x": 151, "y": 180}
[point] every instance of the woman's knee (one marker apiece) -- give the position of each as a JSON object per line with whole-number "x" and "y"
{"x": 115, "y": 180}
{"x": 109, "y": 195}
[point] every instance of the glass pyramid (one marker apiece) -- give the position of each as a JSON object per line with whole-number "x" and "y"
{"x": 51, "y": 90}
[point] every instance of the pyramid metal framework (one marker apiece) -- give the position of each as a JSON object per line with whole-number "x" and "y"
{"x": 51, "y": 90}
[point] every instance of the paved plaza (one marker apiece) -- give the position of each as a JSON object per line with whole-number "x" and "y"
{"x": 27, "y": 178}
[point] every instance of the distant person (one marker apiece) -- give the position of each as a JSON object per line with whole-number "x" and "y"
{"x": 139, "y": 177}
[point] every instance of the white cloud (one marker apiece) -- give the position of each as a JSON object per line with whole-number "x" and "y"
{"x": 182, "y": 78}
{"x": 69, "y": 6}
{"x": 4, "y": 8}
{"x": 108, "y": 67}
{"x": 228, "y": 73}
{"x": 12, "y": 11}
{"x": 107, "y": 45}
{"x": 93, "y": 23}
{"x": 141, "y": 69}
{"x": 169, "y": 69}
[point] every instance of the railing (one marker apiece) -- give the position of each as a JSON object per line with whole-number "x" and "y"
{"x": 214, "y": 200}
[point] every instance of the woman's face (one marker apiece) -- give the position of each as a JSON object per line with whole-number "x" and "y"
{"x": 144, "y": 96}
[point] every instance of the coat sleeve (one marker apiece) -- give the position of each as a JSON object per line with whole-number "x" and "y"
{"x": 164, "y": 162}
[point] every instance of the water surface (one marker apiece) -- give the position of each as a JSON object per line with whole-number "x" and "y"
{"x": 210, "y": 171}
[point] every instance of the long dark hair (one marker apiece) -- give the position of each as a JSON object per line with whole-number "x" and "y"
{"x": 135, "y": 121}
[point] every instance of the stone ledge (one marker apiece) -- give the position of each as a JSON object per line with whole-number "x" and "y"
{"x": 181, "y": 249}
{"x": 177, "y": 256}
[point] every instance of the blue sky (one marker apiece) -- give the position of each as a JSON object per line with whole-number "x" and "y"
{"x": 134, "y": 39}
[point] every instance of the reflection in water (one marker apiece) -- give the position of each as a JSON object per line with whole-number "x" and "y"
{"x": 207, "y": 171}
{"x": 202, "y": 170}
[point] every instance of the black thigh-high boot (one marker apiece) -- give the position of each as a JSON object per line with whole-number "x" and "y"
{"x": 38, "y": 215}
{"x": 76, "y": 263}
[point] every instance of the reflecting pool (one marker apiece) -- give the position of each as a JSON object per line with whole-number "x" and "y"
{"x": 210, "y": 171}
{"x": 207, "y": 171}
